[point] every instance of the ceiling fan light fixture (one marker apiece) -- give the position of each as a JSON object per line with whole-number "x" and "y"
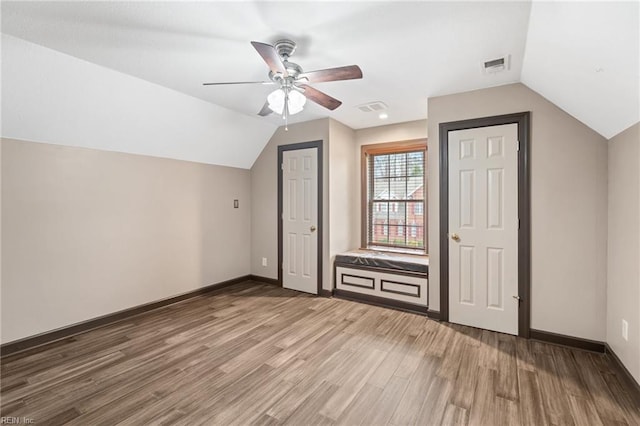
{"x": 277, "y": 97}
{"x": 276, "y": 101}
{"x": 296, "y": 102}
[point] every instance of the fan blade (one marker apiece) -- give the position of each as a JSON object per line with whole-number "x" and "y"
{"x": 350, "y": 72}
{"x": 271, "y": 57}
{"x": 238, "y": 82}
{"x": 320, "y": 98}
{"x": 265, "y": 110}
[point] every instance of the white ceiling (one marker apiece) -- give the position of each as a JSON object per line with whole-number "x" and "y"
{"x": 408, "y": 51}
{"x": 585, "y": 58}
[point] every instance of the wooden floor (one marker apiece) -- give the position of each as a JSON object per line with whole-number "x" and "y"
{"x": 257, "y": 354}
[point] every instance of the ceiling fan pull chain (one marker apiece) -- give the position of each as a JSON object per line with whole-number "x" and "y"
{"x": 286, "y": 109}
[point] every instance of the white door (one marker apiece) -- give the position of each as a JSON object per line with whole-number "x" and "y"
{"x": 300, "y": 220}
{"x": 483, "y": 227}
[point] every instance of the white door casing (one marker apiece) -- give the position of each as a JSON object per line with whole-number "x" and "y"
{"x": 300, "y": 220}
{"x": 483, "y": 227}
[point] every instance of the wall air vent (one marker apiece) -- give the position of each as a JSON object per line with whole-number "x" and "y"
{"x": 496, "y": 65}
{"x": 372, "y": 106}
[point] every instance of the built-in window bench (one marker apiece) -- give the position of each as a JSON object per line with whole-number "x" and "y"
{"x": 383, "y": 278}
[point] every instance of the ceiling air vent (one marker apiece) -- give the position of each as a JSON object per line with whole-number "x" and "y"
{"x": 372, "y": 106}
{"x": 493, "y": 66}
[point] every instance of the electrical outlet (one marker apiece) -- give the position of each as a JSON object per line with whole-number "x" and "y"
{"x": 625, "y": 330}
{"x": 264, "y": 261}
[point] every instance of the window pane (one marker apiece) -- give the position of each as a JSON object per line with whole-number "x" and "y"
{"x": 415, "y": 163}
{"x": 397, "y": 235}
{"x": 415, "y": 237}
{"x": 398, "y": 164}
{"x": 380, "y": 166}
{"x": 398, "y": 188}
{"x": 380, "y": 212}
{"x": 380, "y": 232}
{"x": 381, "y": 189}
{"x": 396, "y": 212}
{"x": 415, "y": 213}
{"x": 415, "y": 188}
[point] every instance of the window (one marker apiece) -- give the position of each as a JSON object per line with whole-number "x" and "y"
{"x": 394, "y": 193}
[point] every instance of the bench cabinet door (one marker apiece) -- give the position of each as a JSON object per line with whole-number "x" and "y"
{"x": 405, "y": 288}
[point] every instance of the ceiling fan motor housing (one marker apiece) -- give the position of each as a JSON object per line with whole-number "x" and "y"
{"x": 285, "y": 48}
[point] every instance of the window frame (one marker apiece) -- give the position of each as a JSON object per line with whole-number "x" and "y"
{"x": 384, "y": 149}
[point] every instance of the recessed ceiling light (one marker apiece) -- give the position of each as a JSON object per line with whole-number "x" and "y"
{"x": 383, "y": 116}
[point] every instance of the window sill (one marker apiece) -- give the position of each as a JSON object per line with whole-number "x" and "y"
{"x": 397, "y": 250}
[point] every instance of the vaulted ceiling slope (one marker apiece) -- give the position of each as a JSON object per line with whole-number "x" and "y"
{"x": 51, "y": 97}
{"x": 582, "y": 56}
{"x": 585, "y": 58}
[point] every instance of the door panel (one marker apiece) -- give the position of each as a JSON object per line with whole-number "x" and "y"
{"x": 300, "y": 217}
{"x": 483, "y": 227}
{"x": 467, "y": 274}
{"x": 495, "y": 204}
{"x": 467, "y": 202}
{"x": 495, "y": 278}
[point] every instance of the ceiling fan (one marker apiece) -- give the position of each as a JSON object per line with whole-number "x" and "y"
{"x": 293, "y": 91}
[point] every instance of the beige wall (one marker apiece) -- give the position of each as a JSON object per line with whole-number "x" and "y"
{"x": 1, "y": 336}
{"x": 88, "y": 233}
{"x": 623, "y": 272}
{"x": 392, "y": 133}
{"x": 344, "y": 181}
{"x": 264, "y": 197}
{"x": 569, "y": 207}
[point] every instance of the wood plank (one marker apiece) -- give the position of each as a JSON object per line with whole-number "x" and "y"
{"x": 381, "y": 411}
{"x": 507, "y": 378}
{"x": 353, "y": 383}
{"x": 435, "y": 402}
{"x": 413, "y": 398}
{"x": 532, "y": 410}
{"x": 464, "y": 387}
{"x": 360, "y": 406}
{"x": 455, "y": 416}
{"x": 483, "y": 411}
{"x": 630, "y": 408}
{"x": 309, "y": 410}
{"x": 554, "y": 397}
{"x": 568, "y": 372}
{"x": 507, "y": 412}
{"x": 524, "y": 355}
{"x": 605, "y": 402}
{"x": 583, "y": 411}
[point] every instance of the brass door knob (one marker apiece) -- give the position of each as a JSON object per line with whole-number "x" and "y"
{"x": 313, "y": 228}
{"x": 455, "y": 237}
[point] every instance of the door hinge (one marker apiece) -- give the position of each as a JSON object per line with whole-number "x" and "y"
{"x": 282, "y": 166}
{"x": 517, "y": 145}
{"x": 518, "y": 223}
